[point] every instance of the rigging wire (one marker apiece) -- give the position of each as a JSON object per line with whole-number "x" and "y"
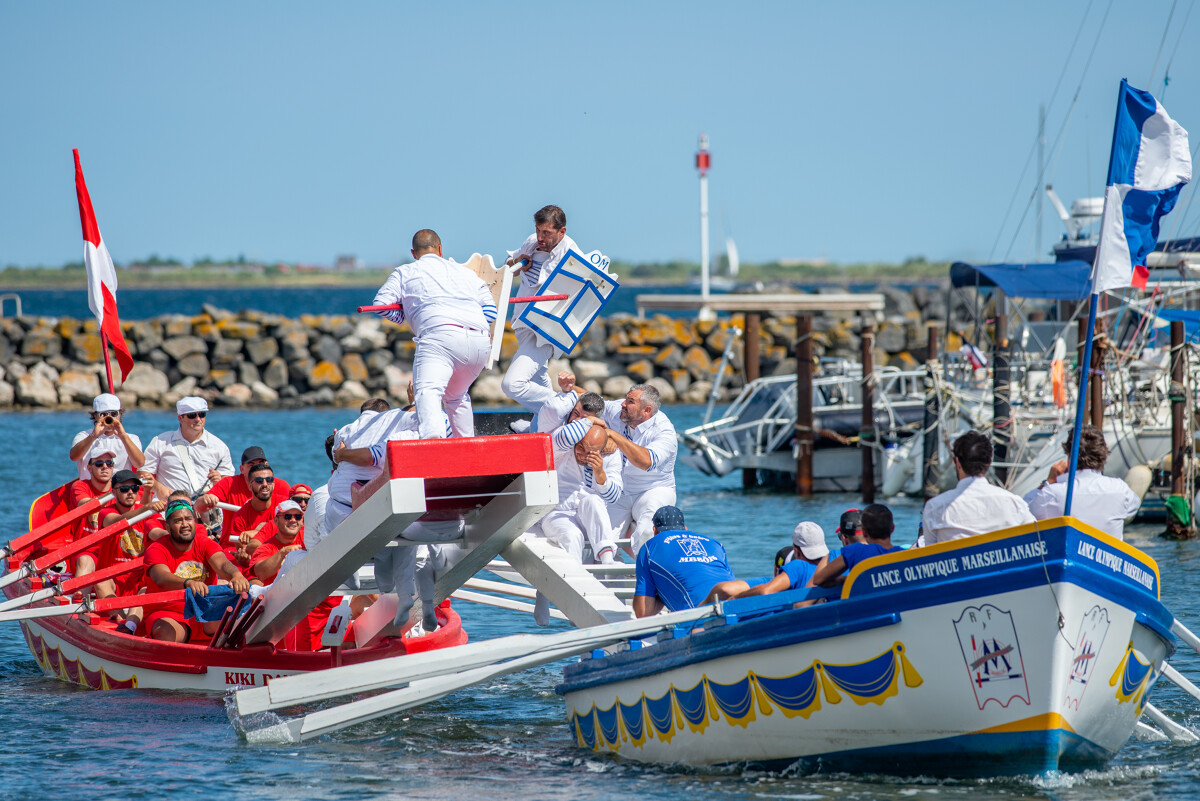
{"x": 1174, "y": 50}
{"x": 1033, "y": 148}
{"x": 1056, "y": 150}
{"x": 1163, "y": 41}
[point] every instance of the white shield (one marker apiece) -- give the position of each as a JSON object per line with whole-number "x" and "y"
{"x": 988, "y": 639}
{"x": 1092, "y": 630}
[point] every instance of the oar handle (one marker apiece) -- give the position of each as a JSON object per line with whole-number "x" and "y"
{"x": 82, "y": 544}
{"x": 150, "y": 599}
{"x": 386, "y": 307}
{"x": 104, "y": 574}
{"x": 51, "y": 526}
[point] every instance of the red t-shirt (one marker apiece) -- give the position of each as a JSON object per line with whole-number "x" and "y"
{"x": 191, "y": 564}
{"x": 233, "y": 489}
{"x": 88, "y": 524}
{"x": 269, "y": 549}
{"x": 130, "y": 543}
{"x": 247, "y": 519}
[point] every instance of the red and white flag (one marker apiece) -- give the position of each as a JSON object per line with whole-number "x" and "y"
{"x": 102, "y": 277}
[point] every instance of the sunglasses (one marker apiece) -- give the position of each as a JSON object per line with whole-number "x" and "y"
{"x": 103, "y": 463}
{"x": 293, "y": 517}
{"x": 129, "y": 488}
{"x": 262, "y": 480}
{"x": 300, "y": 499}
{"x": 194, "y": 415}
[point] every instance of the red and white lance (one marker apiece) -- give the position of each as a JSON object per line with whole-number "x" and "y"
{"x": 102, "y": 282}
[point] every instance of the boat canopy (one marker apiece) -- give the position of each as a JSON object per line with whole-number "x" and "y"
{"x": 1066, "y": 280}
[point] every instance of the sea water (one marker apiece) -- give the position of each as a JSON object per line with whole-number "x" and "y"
{"x": 505, "y": 739}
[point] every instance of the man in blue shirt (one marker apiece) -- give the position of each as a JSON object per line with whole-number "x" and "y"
{"x": 809, "y": 552}
{"x": 877, "y": 526}
{"x": 676, "y": 568}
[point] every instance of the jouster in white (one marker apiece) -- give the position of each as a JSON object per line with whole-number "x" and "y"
{"x": 585, "y": 491}
{"x": 526, "y": 381}
{"x": 973, "y": 507}
{"x": 190, "y": 457}
{"x": 1101, "y": 501}
{"x": 648, "y": 446}
{"x": 449, "y": 309}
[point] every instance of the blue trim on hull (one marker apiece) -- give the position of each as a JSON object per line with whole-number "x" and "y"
{"x": 964, "y": 756}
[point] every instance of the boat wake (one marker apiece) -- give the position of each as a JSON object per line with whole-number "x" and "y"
{"x": 261, "y": 728}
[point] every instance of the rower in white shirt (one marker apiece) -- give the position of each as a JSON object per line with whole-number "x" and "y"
{"x": 588, "y": 481}
{"x": 526, "y": 381}
{"x": 189, "y": 458}
{"x": 974, "y": 506}
{"x": 449, "y": 309}
{"x": 648, "y": 446}
{"x": 1099, "y": 500}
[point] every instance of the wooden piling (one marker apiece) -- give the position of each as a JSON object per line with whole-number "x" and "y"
{"x": 930, "y": 466}
{"x": 1096, "y": 379}
{"x": 1001, "y": 410}
{"x": 867, "y": 433}
{"x": 753, "y": 368}
{"x": 1081, "y": 341}
{"x": 804, "y": 406}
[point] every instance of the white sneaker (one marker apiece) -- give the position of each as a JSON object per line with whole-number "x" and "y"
{"x": 541, "y": 610}
{"x": 606, "y": 557}
{"x": 417, "y": 630}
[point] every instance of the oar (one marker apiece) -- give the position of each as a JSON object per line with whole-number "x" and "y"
{"x": 334, "y": 682}
{"x": 527, "y": 299}
{"x": 100, "y": 605}
{"x": 1179, "y": 734}
{"x": 72, "y": 584}
{"x": 51, "y": 526}
{"x": 71, "y": 549}
{"x": 1181, "y": 631}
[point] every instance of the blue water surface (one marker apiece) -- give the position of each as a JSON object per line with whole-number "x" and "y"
{"x": 502, "y": 740}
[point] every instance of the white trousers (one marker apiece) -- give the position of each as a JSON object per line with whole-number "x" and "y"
{"x": 433, "y": 560}
{"x": 447, "y": 362}
{"x": 396, "y": 566}
{"x": 395, "y": 571}
{"x": 639, "y": 509}
{"x": 526, "y": 381}
{"x": 314, "y": 517}
{"x": 583, "y": 515}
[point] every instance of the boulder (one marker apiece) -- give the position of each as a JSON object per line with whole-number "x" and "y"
{"x": 396, "y": 381}
{"x": 146, "y": 382}
{"x": 641, "y": 371}
{"x": 325, "y": 374}
{"x": 180, "y": 389}
{"x": 487, "y": 389}
{"x": 351, "y": 392}
{"x": 698, "y": 392}
{"x": 508, "y": 347}
{"x": 176, "y": 325}
{"x": 46, "y": 370}
{"x": 697, "y": 362}
{"x": 75, "y": 386}
{"x": 895, "y": 300}
{"x": 588, "y": 370}
{"x": 180, "y": 347}
{"x": 664, "y": 389}
{"x": 35, "y": 389}
{"x": 354, "y": 368}
{"x": 592, "y": 385}
{"x": 158, "y": 359}
{"x": 368, "y": 334}
{"x": 194, "y": 364}
{"x": 238, "y": 329}
{"x": 406, "y": 349}
{"x": 320, "y": 397}
{"x": 378, "y": 361}
{"x": 669, "y": 358}
{"x": 890, "y": 337}
{"x": 215, "y": 312}
{"x": 6, "y": 351}
{"x": 680, "y": 380}
{"x": 247, "y": 373}
{"x": 293, "y": 342}
{"x": 235, "y": 394}
{"x": 326, "y": 349}
{"x": 145, "y": 335}
{"x": 261, "y": 350}
{"x": 227, "y": 352}
{"x": 7, "y": 394}
{"x": 41, "y": 342}
{"x": 262, "y": 395}
{"x": 617, "y": 386}
{"x": 86, "y": 348}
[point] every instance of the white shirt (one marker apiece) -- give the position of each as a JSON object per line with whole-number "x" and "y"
{"x": 542, "y": 263}
{"x": 973, "y": 507}
{"x": 575, "y": 477}
{"x": 1099, "y": 500}
{"x": 436, "y": 291}
{"x": 656, "y": 435}
{"x": 208, "y": 452}
{"x": 375, "y": 433}
{"x": 110, "y": 442}
{"x": 555, "y": 411}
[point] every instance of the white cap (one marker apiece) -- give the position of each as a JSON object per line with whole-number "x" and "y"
{"x": 810, "y": 539}
{"x": 99, "y": 449}
{"x": 106, "y": 403}
{"x": 191, "y": 404}
{"x": 287, "y": 505}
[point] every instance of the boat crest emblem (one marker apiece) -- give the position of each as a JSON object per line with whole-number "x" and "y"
{"x": 1092, "y": 630}
{"x": 988, "y": 638}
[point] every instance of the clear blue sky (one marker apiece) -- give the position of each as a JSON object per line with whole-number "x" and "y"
{"x": 299, "y": 131}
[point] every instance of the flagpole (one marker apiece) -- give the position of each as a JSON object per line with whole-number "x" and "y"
{"x": 1084, "y": 369}
{"x": 107, "y": 360}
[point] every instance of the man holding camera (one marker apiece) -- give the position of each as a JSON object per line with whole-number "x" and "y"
{"x": 108, "y": 432}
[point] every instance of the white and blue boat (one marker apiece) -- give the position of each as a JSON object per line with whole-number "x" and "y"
{"x": 1023, "y": 651}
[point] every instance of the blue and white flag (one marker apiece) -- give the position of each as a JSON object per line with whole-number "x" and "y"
{"x": 1149, "y": 165}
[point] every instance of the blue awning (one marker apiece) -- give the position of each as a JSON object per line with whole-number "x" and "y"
{"x": 1065, "y": 280}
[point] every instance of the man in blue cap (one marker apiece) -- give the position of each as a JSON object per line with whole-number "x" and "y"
{"x": 676, "y": 568}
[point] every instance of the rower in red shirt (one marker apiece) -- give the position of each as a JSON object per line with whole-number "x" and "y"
{"x": 182, "y": 560}
{"x": 100, "y": 461}
{"x": 288, "y": 537}
{"x": 247, "y": 528}
{"x": 236, "y": 489}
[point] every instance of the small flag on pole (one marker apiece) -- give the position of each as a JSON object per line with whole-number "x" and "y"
{"x": 102, "y": 279}
{"x": 1150, "y": 163}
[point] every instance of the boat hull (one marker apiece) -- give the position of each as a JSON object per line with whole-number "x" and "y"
{"x": 894, "y": 678}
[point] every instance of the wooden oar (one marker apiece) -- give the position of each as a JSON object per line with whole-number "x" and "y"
{"x": 527, "y": 299}
{"x": 323, "y": 684}
{"x": 50, "y": 526}
{"x": 72, "y": 584}
{"x": 100, "y": 606}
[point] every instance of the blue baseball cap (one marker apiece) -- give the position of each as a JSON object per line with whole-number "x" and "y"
{"x": 668, "y": 518}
